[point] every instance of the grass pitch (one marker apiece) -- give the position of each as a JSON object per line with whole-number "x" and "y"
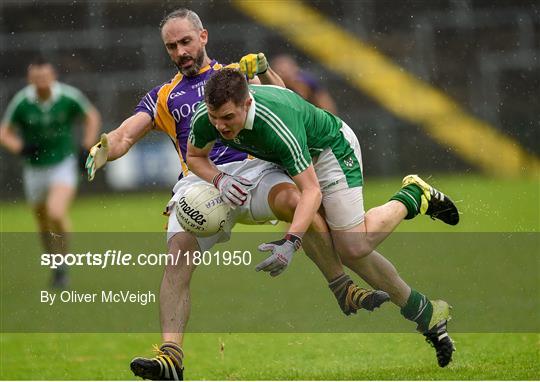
{"x": 488, "y": 206}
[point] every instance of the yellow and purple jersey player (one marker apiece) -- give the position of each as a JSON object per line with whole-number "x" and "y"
{"x": 171, "y": 106}
{"x": 261, "y": 189}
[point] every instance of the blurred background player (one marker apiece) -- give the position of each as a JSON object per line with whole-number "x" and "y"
{"x": 169, "y": 108}
{"x": 303, "y": 83}
{"x": 38, "y": 125}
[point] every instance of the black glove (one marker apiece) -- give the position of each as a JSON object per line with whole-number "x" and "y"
{"x": 81, "y": 161}
{"x": 30, "y": 150}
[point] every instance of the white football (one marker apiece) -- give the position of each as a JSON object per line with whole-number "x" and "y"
{"x": 201, "y": 210}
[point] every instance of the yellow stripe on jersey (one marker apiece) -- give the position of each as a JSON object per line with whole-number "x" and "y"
{"x": 394, "y": 88}
{"x": 234, "y": 65}
{"x": 164, "y": 120}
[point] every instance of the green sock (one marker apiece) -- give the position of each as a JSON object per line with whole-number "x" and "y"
{"x": 419, "y": 310}
{"x": 410, "y": 196}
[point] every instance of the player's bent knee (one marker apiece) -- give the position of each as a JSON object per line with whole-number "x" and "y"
{"x": 56, "y": 216}
{"x": 283, "y": 200}
{"x": 182, "y": 241}
{"x": 350, "y": 253}
{"x": 40, "y": 212}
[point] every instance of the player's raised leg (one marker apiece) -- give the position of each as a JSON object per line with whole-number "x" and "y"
{"x": 356, "y": 247}
{"x": 429, "y": 201}
{"x": 283, "y": 199}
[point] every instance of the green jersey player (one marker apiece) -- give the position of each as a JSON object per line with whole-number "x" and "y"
{"x": 38, "y": 125}
{"x": 322, "y": 155}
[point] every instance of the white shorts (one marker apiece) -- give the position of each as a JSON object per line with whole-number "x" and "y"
{"x": 344, "y": 209}
{"x": 343, "y": 205}
{"x": 37, "y": 180}
{"x": 256, "y": 210}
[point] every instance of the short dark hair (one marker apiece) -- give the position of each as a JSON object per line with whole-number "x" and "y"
{"x": 183, "y": 13}
{"x": 226, "y": 85}
{"x": 39, "y": 60}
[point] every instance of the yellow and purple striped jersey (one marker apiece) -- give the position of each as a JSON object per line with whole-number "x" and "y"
{"x": 171, "y": 106}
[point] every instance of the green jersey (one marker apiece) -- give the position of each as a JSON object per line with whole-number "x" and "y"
{"x": 48, "y": 126}
{"x": 283, "y": 128}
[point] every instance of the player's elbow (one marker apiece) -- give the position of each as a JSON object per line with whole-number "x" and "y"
{"x": 95, "y": 116}
{"x": 191, "y": 160}
{"x": 93, "y": 120}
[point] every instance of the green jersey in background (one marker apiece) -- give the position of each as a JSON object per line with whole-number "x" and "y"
{"x": 48, "y": 126}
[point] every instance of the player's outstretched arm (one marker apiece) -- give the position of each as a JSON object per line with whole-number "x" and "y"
{"x": 271, "y": 78}
{"x": 127, "y": 134}
{"x": 118, "y": 142}
{"x": 255, "y": 66}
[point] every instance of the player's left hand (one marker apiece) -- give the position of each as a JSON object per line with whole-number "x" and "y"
{"x": 97, "y": 157}
{"x": 282, "y": 252}
{"x": 253, "y": 64}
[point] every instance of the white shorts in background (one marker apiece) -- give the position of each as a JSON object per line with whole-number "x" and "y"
{"x": 37, "y": 180}
{"x": 256, "y": 210}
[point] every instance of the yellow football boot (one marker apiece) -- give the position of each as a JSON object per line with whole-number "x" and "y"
{"x": 434, "y": 203}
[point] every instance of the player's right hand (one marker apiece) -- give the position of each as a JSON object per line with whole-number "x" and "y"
{"x": 97, "y": 157}
{"x": 234, "y": 189}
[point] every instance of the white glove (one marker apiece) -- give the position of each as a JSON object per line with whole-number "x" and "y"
{"x": 234, "y": 189}
{"x": 97, "y": 157}
{"x": 282, "y": 253}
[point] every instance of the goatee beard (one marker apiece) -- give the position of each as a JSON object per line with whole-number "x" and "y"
{"x": 193, "y": 70}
